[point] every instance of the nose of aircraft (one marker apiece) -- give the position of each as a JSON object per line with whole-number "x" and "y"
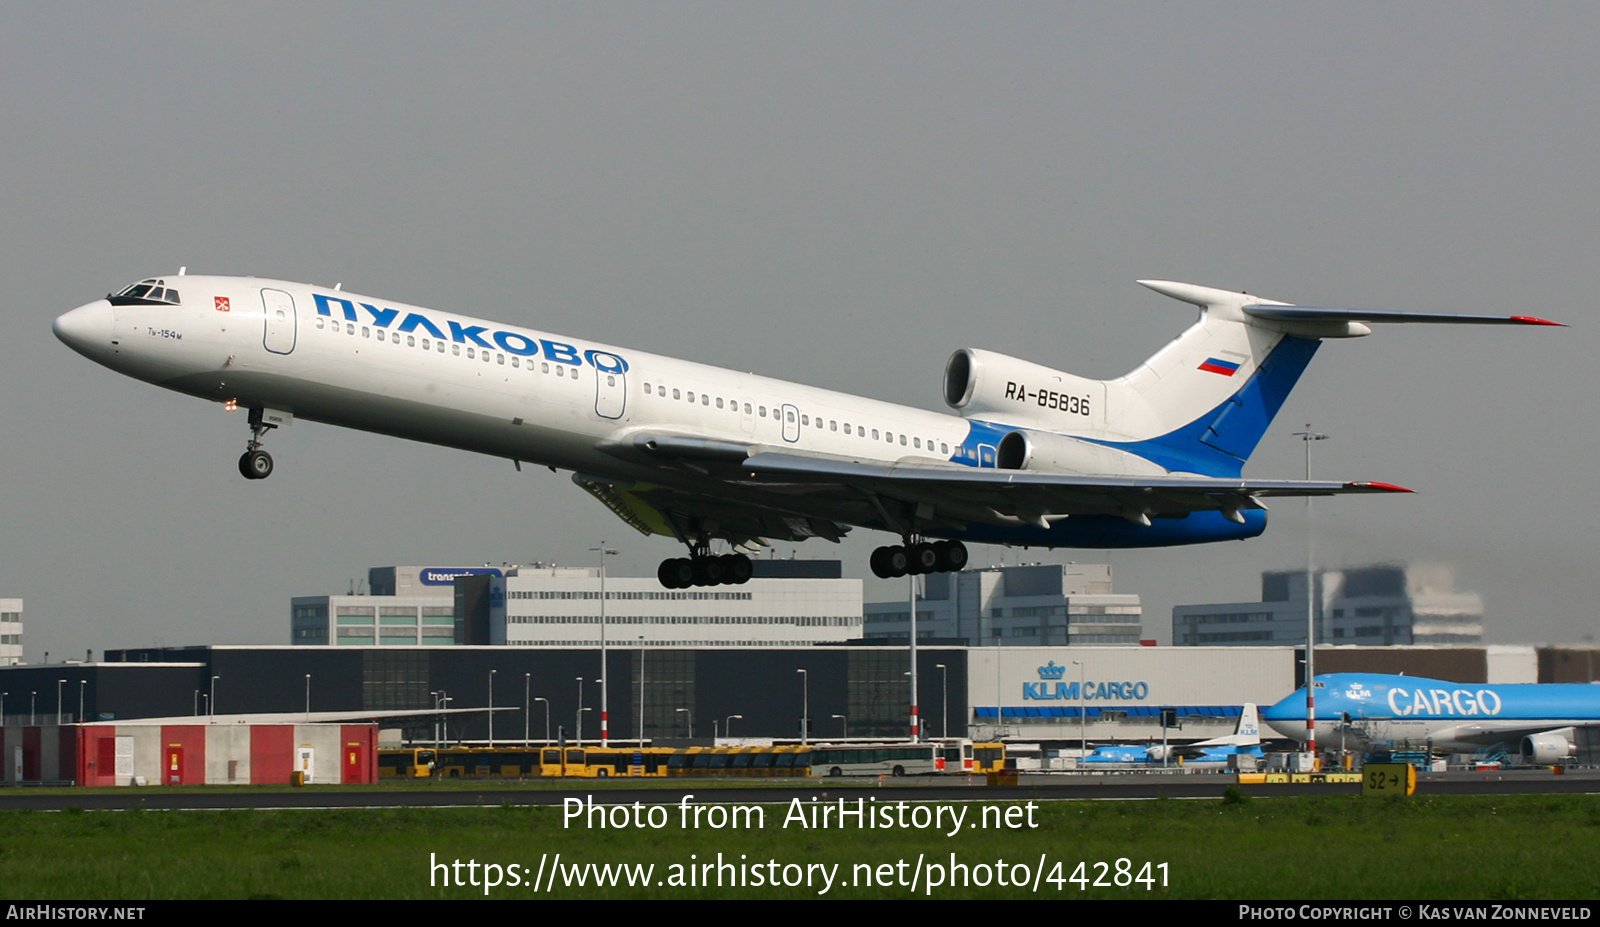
{"x": 86, "y": 329}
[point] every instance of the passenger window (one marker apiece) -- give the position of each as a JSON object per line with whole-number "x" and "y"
{"x": 545, "y": 368}
{"x": 691, "y": 395}
{"x": 611, "y": 380}
{"x": 916, "y": 443}
{"x": 411, "y": 341}
{"x": 762, "y": 410}
{"x": 833, "y": 425}
{"x": 705, "y": 400}
{"x": 501, "y": 360}
{"x": 470, "y": 354}
{"x": 350, "y": 328}
{"x": 380, "y": 335}
{"x": 944, "y": 448}
{"x": 747, "y": 408}
{"x": 903, "y": 444}
{"x": 319, "y": 321}
{"x": 788, "y": 416}
{"x": 515, "y": 362}
{"x": 438, "y": 344}
{"x": 846, "y": 427}
{"x": 719, "y": 405}
{"x": 455, "y": 349}
{"x": 647, "y": 389}
{"x": 874, "y": 434}
{"x": 366, "y": 332}
{"x": 678, "y": 395}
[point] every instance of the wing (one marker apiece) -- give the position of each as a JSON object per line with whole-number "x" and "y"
{"x": 714, "y": 488}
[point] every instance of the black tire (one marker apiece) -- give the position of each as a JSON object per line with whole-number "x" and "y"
{"x": 676, "y": 573}
{"x": 601, "y": 774}
{"x": 835, "y": 772}
{"x": 923, "y": 558}
{"x": 714, "y": 571}
{"x": 952, "y": 556}
{"x": 739, "y": 569}
{"x": 899, "y": 772}
{"x": 256, "y": 465}
{"x": 897, "y": 561}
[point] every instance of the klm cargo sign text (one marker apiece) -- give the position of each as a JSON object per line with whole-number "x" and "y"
{"x": 1085, "y": 691}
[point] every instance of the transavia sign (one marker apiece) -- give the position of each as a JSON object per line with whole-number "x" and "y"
{"x": 1083, "y": 691}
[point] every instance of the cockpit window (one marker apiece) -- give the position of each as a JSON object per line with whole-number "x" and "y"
{"x": 151, "y": 292}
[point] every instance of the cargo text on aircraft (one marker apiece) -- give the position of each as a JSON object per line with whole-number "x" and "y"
{"x": 1443, "y": 702}
{"x": 509, "y": 341}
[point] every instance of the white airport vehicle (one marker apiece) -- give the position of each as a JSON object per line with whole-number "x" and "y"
{"x": 1032, "y": 456}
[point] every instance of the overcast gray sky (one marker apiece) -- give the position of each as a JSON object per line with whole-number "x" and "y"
{"x": 839, "y": 194}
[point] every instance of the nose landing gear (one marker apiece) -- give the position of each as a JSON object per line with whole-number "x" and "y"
{"x": 256, "y": 464}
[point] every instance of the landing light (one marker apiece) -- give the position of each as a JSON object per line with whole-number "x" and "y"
{"x": 231, "y": 405}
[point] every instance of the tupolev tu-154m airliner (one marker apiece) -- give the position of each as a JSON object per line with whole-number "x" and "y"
{"x": 1032, "y": 456}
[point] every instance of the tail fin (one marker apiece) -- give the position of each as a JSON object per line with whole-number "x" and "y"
{"x": 1249, "y": 729}
{"x": 1202, "y": 403}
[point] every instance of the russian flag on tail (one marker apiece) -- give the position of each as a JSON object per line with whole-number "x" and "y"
{"x": 1218, "y": 365}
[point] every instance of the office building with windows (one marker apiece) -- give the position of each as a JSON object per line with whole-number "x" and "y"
{"x": 1383, "y": 604}
{"x": 10, "y": 632}
{"x": 1043, "y": 604}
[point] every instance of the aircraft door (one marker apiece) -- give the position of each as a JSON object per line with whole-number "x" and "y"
{"x": 279, "y": 333}
{"x": 791, "y": 424}
{"x": 610, "y": 384}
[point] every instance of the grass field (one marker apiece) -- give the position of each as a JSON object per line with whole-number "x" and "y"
{"x": 1336, "y": 847}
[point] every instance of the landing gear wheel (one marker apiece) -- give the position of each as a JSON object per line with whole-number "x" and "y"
{"x": 255, "y": 465}
{"x": 890, "y": 562}
{"x": 736, "y": 569}
{"x": 922, "y": 559}
{"x": 676, "y": 573}
{"x": 952, "y": 556}
{"x": 709, "y": 571}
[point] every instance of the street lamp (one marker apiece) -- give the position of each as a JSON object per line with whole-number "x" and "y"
{"x": 308, "y": 701}
{"x": 527, "y": 707}
{"x": 944, "y": 695}
{"x": 727, "y": 726}
{"x": 805, "y": 705}
{"x": 59, "y": 684}
{"x": 211, "y": 703}
{"x": 33, "y": 701}
{"x": 844, "y": 726}
{"x": 491, "y": 708}
{"x": 546, "y": 719}
{"x": 605, "y": 714}
{"x": 1306, "y": 437}
{"x": 81, "y": 684}
{"x": 641, "y": 691}
{"x": 690, "y": 717}
{"x": 1083, "y": 713}
{"x": 577, "y": 728}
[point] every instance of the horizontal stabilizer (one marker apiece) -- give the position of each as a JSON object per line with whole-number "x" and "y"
{"x": 1278, "y": 313}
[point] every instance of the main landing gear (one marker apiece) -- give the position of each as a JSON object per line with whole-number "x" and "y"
{"x": 917, "y": 559}
{"x": 702, "y": 569}
{"x": 256, "y": 464}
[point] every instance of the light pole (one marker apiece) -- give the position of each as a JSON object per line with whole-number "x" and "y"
{"x": 1306, "y": 437}
{"x": 577, "y": 726}
{"x": 444, "y": 719}
{"x": 805, "y": 705}
{"x": 844, "y": 727}
{"x": 527, "y": 708}
{"x": 944, "y": 697}
{"x": 59, "y": 684}
{"x": 491, "y": 709}
{"x": 546, "y": 719}
{"x": 689, "y": 715}
{"x": 605, "y": 714}
{"x": 33, "y": 701}
{"x": 81, "y": 684}
{"x": 1083, "y": 711}
{"x": 3, "y": 708}
{"x": 308, "y": 701}
{"x": 727, "y": 726}
{"x": 641, "y": 692}
{"x": 211, "y": 703}
{"x": 916, "y": 721}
